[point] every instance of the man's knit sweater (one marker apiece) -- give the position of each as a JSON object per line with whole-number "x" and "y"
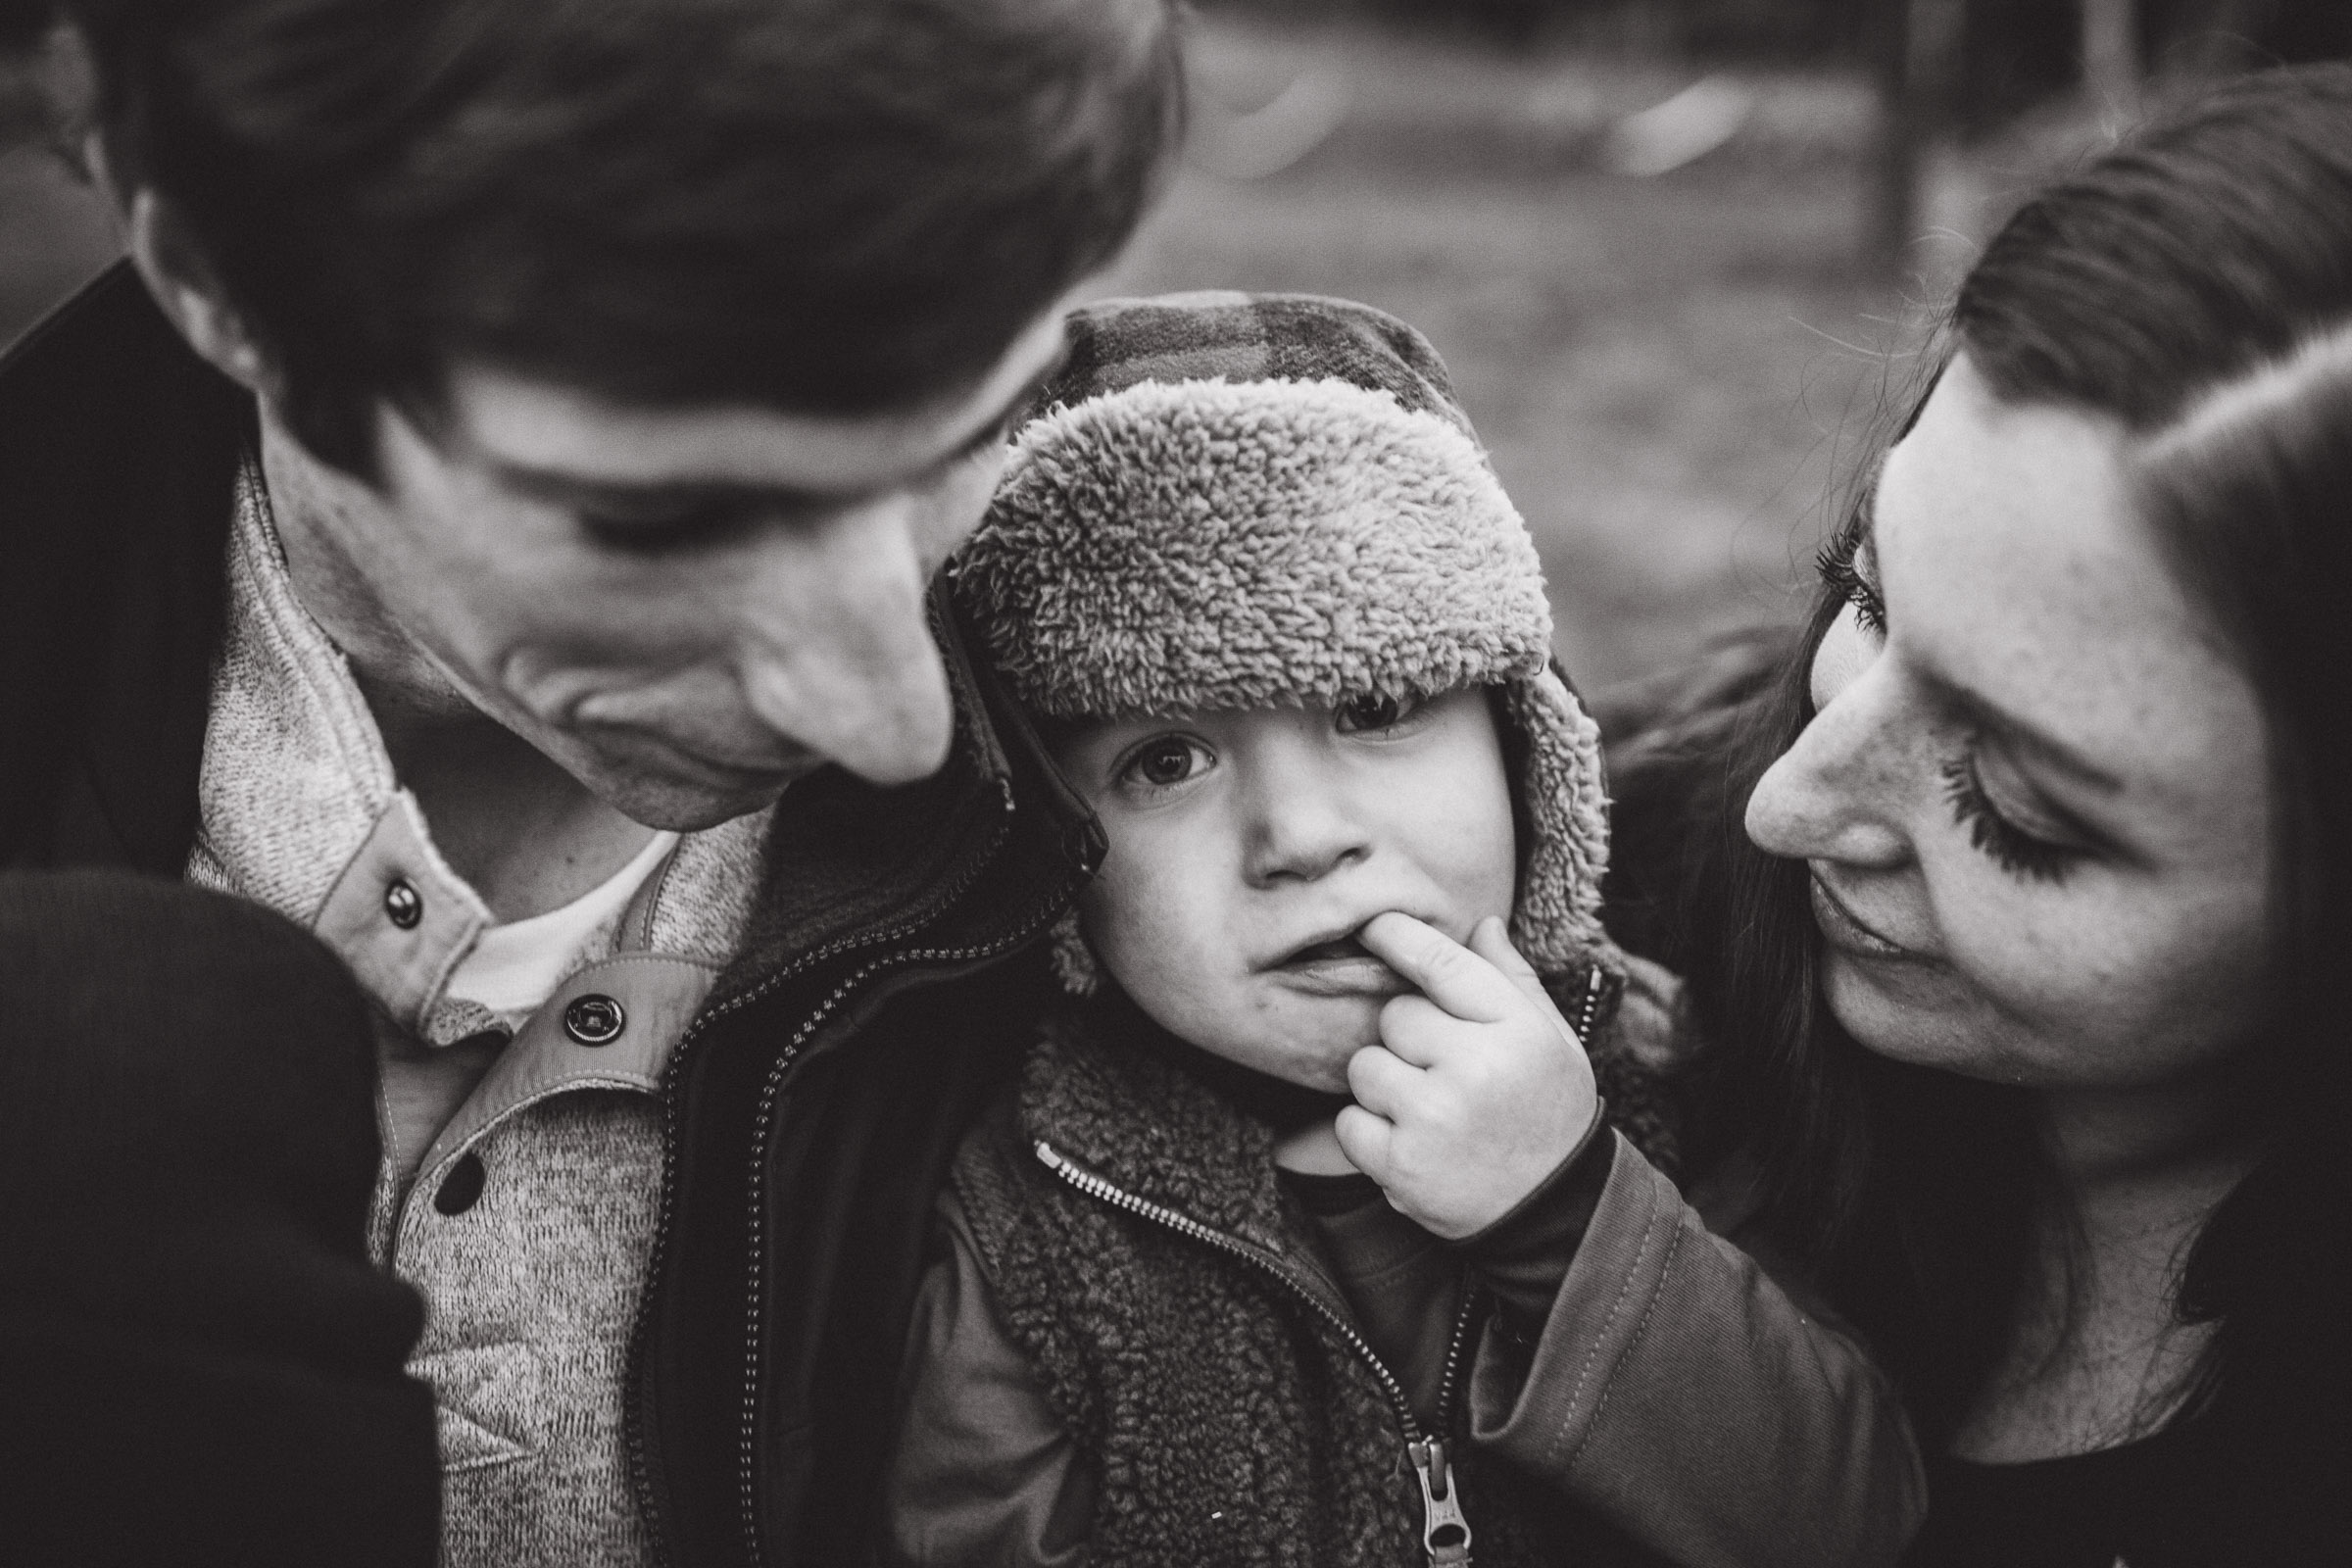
{"x": 520, "y": 1178}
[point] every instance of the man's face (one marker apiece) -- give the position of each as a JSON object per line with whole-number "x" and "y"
{"x": 684, "y": 608}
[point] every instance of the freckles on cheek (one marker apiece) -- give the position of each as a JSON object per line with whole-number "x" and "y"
{"x": 2023, "y": 977}
{"x": 2048, "y": 957}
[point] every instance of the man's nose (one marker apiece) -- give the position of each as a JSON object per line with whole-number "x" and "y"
{"x": 1836, "y": 793}
{"x": 840, "y": 657}
{"x": 1302, "y": 823}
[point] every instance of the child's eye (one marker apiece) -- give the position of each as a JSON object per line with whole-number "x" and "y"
{"x": 1373, "y": 711}
{"x": 1164, "y": 761}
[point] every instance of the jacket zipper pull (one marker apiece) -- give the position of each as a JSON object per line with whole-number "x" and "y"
{"x": 1445, "y": 1532}
{"x": 1593, "y": 984}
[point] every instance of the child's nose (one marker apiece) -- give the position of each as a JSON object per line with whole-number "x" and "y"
{"x": 1302, "y": 824}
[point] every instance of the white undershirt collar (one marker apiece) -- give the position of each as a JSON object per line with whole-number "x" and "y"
{"x": 516, "y": 968}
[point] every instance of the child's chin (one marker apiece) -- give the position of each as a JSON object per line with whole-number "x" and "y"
{"x": 1315, "y": 1079}
{"x": 1323, "y": 1063}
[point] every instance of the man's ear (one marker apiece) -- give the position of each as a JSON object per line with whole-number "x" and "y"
{"x": 184, "y": 286}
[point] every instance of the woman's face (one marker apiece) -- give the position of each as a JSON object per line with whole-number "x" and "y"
{"x": 2034, "y": 796}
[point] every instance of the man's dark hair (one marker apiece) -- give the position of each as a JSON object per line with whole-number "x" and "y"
{"x": 820, "y": 205}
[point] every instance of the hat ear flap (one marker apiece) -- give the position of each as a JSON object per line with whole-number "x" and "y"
{"x": 1556, "y": 925}
{"x": 1073, "y": 961}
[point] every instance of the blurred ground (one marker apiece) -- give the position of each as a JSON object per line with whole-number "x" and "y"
{"x": 1671, "y": 371}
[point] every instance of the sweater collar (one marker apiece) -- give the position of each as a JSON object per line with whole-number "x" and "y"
{"x": 300, "y": 809}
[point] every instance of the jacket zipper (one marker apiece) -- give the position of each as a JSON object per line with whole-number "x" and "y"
{"x": 1595, "y": 983}
{"x": 640, "y": 1466}
{"x": 1444, "y": 1531}
{"x": 756, "y": 1299}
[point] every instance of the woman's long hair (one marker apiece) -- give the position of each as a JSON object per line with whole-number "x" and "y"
{"x": 2197, "y": 286}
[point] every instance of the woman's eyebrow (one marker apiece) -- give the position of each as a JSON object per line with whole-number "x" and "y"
{"x": 2023, "y": 735}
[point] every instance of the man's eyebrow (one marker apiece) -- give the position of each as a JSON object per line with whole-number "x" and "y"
{"x": 2022, "y": 734}
{"x": 569, "y": 491}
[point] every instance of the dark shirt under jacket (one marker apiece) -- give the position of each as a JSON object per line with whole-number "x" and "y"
{"x": 2187, "y": 1497}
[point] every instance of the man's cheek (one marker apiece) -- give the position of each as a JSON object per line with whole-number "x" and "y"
{"x": 950, "y": 514}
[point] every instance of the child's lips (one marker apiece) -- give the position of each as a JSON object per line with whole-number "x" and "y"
{"x": 1339, "y": 966}
{"x": 1332, "y": 949}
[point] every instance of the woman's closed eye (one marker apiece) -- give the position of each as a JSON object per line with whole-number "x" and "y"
{"x": 2025, "y": 842}
{"x": 1162, "y": 763}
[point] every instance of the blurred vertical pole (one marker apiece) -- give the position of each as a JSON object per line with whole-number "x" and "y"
{"x": 2111, "y": 56}
{"x": 1895, "y": 165}
{"x": 1915, "y": 51}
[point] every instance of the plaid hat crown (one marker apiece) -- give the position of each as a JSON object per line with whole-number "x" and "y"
{"x": 1229, "y": 501}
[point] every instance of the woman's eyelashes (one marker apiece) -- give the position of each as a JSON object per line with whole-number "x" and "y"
{"x": 2029, "y": 853}
{"x": 1837, "y": 569}
{"x": 2011, "y": 847}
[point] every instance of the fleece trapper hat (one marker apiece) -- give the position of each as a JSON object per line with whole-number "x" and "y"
{"x": 1235, "y": 501}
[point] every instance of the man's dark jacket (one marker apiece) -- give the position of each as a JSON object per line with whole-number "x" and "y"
{"x": 880, "y": 996}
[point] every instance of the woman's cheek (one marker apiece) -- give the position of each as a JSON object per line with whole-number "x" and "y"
{"x": 2185, "y": 978}
{"x": 2022, "y": 944}
{"x": 2079, "y": 982}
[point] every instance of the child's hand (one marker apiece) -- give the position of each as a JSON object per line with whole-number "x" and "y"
{"x": 1481, "y": 1088}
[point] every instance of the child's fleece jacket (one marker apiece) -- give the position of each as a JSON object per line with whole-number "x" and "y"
{"x": 1087, "y": 1385}
{"x": 1136, "y": 1342}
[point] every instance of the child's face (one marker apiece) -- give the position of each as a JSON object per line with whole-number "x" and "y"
{"x": 1247, "y": 848}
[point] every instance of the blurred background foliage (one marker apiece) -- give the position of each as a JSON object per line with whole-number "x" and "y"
{"x": 1679, "y": 254}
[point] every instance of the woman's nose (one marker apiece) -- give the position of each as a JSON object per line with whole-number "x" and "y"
{"x": 1836, "y": 793}
{"x": 1302, "y": 824}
